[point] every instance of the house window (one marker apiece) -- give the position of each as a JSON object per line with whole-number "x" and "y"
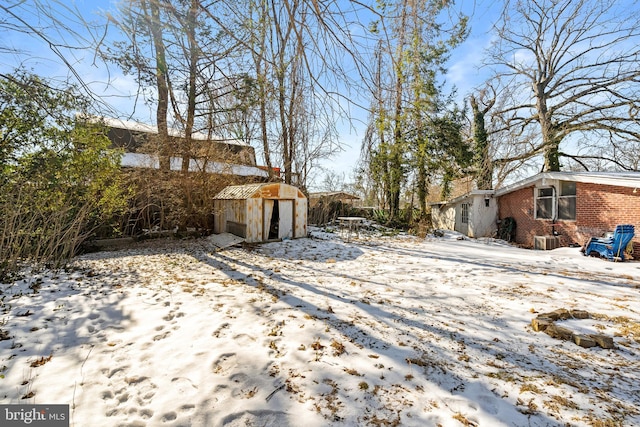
{"x": 544, "y": 203}
{"x": 567, "y": 200}
{"x": 464, "y": 214}
{"x": 562, "y": 205}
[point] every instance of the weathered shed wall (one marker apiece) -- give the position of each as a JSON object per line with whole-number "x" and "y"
{"x": 300, "y": 221}
{"x": 247, "y": 211}
{"x": 230, "y": 216}
{"x": 254, "y": 220}
{"x": 443, "y": 217}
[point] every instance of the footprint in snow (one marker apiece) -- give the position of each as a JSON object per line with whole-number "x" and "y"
{"x": 161, "y": 336}
{"x": 146, "y": 414}
{"x": 187, "y": 408}
{"x": 243, "y": 339}
{"x": 169, "y": 416}
{"x": 183, "y": 386}
{"x": 120, "y": 371}
{"x": 225, "y": 363}
{"x": 258, "y": 418}
{"x": 218, "y": 333}
{"x": 239, "y": 378}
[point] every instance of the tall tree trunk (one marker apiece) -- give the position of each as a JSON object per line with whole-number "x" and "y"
{"x": 191, "y": 90}
{"x": 549, "y": 139}
{"x": 483, "y": 163}
{"x": 162, "y": 83}
{"x": 187, "y": 149}
{"x": 421, "y": 182}
{"x": 395, "y": 159}
{"x": 380, "y": 128}
{"x": 259, "y": 53}
{"x": 294, "y": 101}
{"x": 263, "y": 123}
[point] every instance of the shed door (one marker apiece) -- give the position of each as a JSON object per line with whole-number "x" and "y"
{"x": 267, "y": 224}
{"x": 286, "y": 219}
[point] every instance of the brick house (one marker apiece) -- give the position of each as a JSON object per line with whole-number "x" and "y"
{"x": 567, "y": 207}
{"x": 573, "y": 206}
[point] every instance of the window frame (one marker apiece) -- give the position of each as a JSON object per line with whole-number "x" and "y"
{"x": 558, "y": 193}
{"x": 536, "y": 194}
{"x": 569, "y": 196}
{"x": 464, "y": 213}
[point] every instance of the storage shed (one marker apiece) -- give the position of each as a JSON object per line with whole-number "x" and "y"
{"x": 473, "y": 214}
{"x": 261, "y": 212}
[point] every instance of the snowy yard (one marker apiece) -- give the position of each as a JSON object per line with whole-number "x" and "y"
{"x": 381, "y": 331}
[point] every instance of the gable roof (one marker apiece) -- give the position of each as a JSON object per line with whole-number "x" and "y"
{"x": 238, "y": 192}
{"x": 620, "y": 179}
{"x": 264, "y": 190}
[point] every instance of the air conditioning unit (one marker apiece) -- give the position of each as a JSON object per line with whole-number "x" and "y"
{"x": 546, "y": 243}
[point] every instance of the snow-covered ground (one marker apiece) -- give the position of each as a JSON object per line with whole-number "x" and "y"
{"x": 379, "y": 331}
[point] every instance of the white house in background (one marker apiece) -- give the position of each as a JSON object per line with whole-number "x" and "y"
{"x": 140, "y": 160}
{"x": 473, "y": 214}
{"x": 232, "y": 157}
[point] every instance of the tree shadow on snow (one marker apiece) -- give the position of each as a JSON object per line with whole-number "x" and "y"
{"x": 430, "y": 358}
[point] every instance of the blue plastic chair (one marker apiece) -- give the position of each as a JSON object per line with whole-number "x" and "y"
{"x": 611, "y": 248}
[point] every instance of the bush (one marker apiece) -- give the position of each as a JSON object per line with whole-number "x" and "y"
{"x": 58, "y": 180}
{"x": 170, "y": 200}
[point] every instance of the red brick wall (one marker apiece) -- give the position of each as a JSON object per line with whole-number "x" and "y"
{"x": 599, "y": 208}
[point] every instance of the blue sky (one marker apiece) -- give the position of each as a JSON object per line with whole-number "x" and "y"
{"x": 34, "y": 54}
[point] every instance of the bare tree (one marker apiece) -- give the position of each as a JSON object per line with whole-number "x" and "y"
{"x": 573, "y": 69}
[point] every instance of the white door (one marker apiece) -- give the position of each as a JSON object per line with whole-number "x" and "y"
{"x": 286, "y": 219}
{"x": 266, "y": 225}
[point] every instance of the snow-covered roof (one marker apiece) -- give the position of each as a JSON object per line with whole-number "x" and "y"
{"x": 145, "y": 128}
{"x": 620, "y": 179}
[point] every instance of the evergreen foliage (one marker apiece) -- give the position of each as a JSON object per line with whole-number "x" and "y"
{"x": 415, "y": 131}
{"x": 58, "y": 179}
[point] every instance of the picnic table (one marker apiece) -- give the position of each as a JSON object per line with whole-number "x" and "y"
{"x": 350, "y": 225}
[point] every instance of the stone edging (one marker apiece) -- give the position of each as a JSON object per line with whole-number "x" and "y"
{"x": 546, "y": 323}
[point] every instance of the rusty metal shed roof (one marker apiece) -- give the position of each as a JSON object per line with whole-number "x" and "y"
{"x": 234, "y": 192}
{"x": 269, "y": 190}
